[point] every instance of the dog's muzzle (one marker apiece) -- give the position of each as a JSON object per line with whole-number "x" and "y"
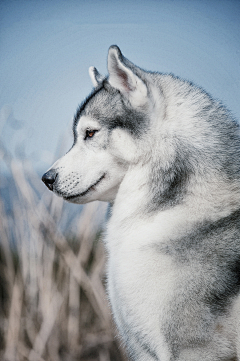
{"x": 49, "y": 178}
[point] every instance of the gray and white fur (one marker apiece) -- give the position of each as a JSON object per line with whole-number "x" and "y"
{"x": 167, "y": 157}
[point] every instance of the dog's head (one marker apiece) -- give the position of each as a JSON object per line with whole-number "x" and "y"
{"x": 107, "y": 129}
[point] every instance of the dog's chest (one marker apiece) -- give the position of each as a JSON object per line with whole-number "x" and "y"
{"x": 140, "y": 283}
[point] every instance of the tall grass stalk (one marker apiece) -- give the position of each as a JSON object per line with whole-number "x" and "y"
{"x": 52, "y": 292}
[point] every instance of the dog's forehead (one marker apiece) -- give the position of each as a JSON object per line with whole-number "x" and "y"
{"x": 87, "y": 122}
{"x": 100, "y": 104}
{"x": 110, "y": 111}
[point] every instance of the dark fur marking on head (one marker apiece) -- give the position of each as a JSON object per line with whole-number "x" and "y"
{"x": 108, "y": 106}
{"x": 81, "y": 108}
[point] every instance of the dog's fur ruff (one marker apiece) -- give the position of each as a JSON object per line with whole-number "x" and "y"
{"x": 167, "y": 158}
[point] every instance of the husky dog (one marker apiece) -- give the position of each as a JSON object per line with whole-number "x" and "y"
{"x": 167, "y": 158}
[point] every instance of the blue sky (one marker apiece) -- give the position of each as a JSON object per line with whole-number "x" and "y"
{"x": 46, "y": 48}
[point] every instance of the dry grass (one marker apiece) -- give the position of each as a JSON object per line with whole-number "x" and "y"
{"x": 53, "y": 303}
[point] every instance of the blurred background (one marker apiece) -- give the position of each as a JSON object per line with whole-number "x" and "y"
{"x": 53, "y": 304}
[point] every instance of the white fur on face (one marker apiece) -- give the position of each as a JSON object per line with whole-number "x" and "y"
{"x": 123, "y": 146}
{"x": 88, "y": 171}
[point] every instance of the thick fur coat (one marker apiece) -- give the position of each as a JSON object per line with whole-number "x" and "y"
{"x": 167, "y": 158}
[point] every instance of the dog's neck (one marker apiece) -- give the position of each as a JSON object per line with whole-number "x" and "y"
{"x": 209, "y": 197}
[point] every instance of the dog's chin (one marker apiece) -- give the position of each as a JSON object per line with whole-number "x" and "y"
{"x": 78, "y": 199}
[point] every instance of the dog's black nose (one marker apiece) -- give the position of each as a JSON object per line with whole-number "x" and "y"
{"x": 49, "y": 178}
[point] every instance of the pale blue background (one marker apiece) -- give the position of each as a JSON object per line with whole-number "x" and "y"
{"x": 46, "y": 48}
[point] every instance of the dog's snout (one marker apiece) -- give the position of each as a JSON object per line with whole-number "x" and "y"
{"x": 49, "y": 178}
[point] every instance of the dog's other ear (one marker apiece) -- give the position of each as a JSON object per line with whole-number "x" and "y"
{"x": 95, "y": 76}
{"x": 122, "y": 77}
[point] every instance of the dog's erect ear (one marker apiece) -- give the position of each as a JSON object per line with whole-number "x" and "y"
{"x": 95, "y": 76}
{"x": 122, "y": 77}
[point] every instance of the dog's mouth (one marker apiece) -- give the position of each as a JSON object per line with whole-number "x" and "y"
{"x": 89, "y": 189}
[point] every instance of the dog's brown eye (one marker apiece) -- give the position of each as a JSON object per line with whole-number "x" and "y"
{"x": 89, "y": 133}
